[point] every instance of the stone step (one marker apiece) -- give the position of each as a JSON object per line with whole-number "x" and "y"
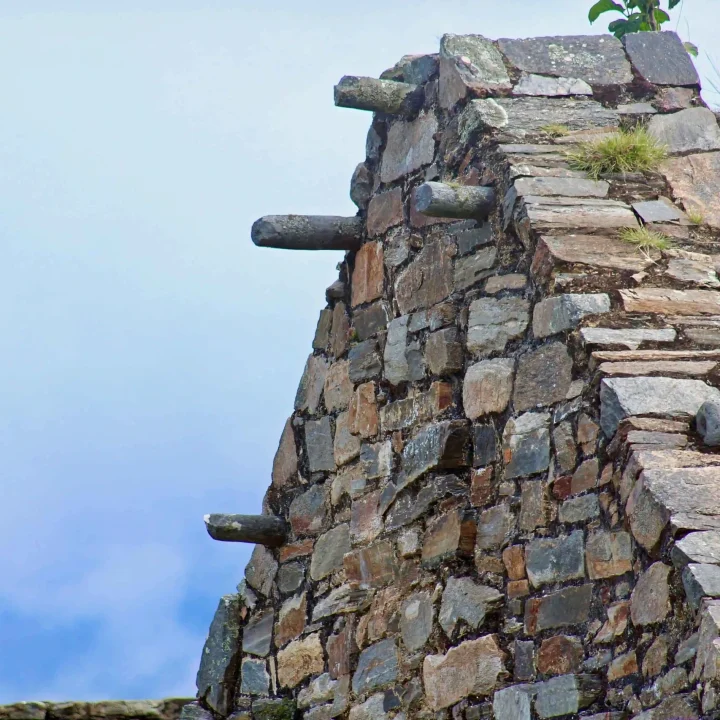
{"x": 631, "y": 338}
{"x": 700, "y": 368}
{"x": 593, "y": 250}
{"x": 652, "y": 355}
{"x": 676, "y": 302}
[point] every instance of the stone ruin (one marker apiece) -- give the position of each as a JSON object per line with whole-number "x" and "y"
{"x": 497, "y": 496}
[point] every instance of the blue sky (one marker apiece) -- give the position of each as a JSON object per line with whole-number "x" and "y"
{"x": 150, "y": 354}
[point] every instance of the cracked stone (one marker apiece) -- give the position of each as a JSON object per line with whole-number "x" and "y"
{"x": 492, "y": 323}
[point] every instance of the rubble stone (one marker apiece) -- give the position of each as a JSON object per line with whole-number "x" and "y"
{"x": 556, "y": 560}
{"x": 465, "y": 600}
{"x": 526, "y": 445}
{"x": 488, "y": 387}
{"x": 543, "y": 377}
{"x": 564, "y": 312}
{"x": 493, "y": 323}
{"x": 650, "y": 600}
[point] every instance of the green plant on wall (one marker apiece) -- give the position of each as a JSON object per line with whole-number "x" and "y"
{"x": 638, "y": 16}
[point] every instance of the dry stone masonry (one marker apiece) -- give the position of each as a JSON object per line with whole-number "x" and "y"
{"x": 499, "y": 493}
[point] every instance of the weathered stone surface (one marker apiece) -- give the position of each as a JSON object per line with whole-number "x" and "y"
{"x": 290, "y": 577}
{"x": 622, "y": 666}
{"x": 345, "y": 599}
{"x": 526, "y": 445}
{"x": 685, "y": 498}
{"x": 465, "y": 600}
{"x": 678, "y": 707}
{"x": 701, "y": 581}
{"x": 631, "y": 338}
{"x": 585, "y": 477}
{"x": 595, "y": 250}
{"x": 551, "y": 87}
{"x": 409, "y": 507}
{"x": 371, "y": 320}
{"x": 372, "y": 709}
{"x": 373, "y": 566}
{"x": 291, "y": 620}
{"x": 257, "y": 634}
{"x": 376, "y": 460}
{"x": 384, "y": 211}
{"x": 368, "y": 274}
{"x": 254, "y": 677}
{"x": 661, "y": 58}
{"x": 707, "y": 423}
{"x": 469, "y": 238}
{"x": 444, "y": 352}
{"x": 697, "y": 547}
{"x": 363, "y": 412}
{"x": 272, "y": 710}
{"x": 365, "y": 362}
{"x": 498, "y": 283}
{"x": 584, "y": 215}
{"x": 566, "y": 694}
{"x": 512, "y": 703}
{"x": 309, "y": 392}
{"x": 555, "y": 560}
{"x": 560, "y": 655}
{"x": 285, "y": 463}
{"x": 535, "y": 505}
{"x": 596, "y": 59}
{"x": 495, "y": 526}
{"x": 329, "y": 551}
{"x": 361, "y": 185}
{"x": 484, "y": 445}
{"x": 657, "y": 211}
{"x": 623, "y": 397}
{"x": 570, "y": 606}
{"x": 580, "y": 509}
{"x": 399, "y": 365}
{"x": 488, "y": 387}
{"x": 650, "y": 600}
{"x": 340, "y": 647}
{"x": 340, "y": 334}
{"x": 469, "y": 64}
{"x": 691, "y": 130}
{"x": 695, "y": 180}
{"x": 446, "y": 535}
{"x": 261, "y": 570}
{"x": 308, "y": 512}
{"x": 616, "y": 624}
{"x": 567, "y": 187}
{"x": 427, "y": 280}
{"x": 410, "y": 145}
{"x": 514, "y": 561}
{"x": 493, "y": 323}
{"x": 543, "y": 377}
{"x": 691, "y": 267}
{"x": 322, "y": 332}
{"x": 564, "y": 312}
{"x": 377, "y": 666}
{"x": 470, "y": 269}
{"x": 299, "y": 660}
{"x": 220, "y": 657}
{"x": 565, "y": 448}
{"x": 346, "y": 446}
{"x": 608, "y": 554}
{"x": 531, "y": 114}
{"x": 441, "y": 446}
{"x": 416, "y": 620}
{"x": 338, "y": 388}
{"x": 319, "y": 445}
{"x": 471, "y": 668}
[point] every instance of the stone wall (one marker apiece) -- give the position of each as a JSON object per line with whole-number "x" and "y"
{"x": 168, "y": 709}
{"x": 498, "y": 502}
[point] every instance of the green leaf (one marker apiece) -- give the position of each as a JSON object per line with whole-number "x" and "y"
{"x": 674, "y": 3}
{"x": 692, "y": 49}
{"x": 601, "y": 7}
{"x": 661, "y": 16}
{"x": 623, "y": 27}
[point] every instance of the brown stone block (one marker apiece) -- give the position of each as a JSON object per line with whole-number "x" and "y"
{"x": 296, "y": 550}
{"x": 374, "y": 566}
{"x": 514, "y": 559}
{"x": 384, "y": 211}
{"x": 560, "y": 655}
{"x": 368, "y": 276}
{"x": 482, "y": 488}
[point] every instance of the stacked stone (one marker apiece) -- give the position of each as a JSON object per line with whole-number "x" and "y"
{"x": 497, "y": 504}
{"x": 168, "y": 709}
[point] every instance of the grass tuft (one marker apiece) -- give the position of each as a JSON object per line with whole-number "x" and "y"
{"x": 625, "y": 151}
{"x": 555, "y": 130}
{"x": 646, "y": 239}
{"x": 696, "y": 218}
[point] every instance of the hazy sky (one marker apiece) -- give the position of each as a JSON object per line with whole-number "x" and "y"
{"x": 150, "y": 354}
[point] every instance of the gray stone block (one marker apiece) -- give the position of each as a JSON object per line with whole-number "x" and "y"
{"x": 596, "y": 59}
{"x": 691, "y": 130}
{"x": 701, "y": 581}
{"x": 707, "y": 423}
{"x": 556, "y": 560}
{"x": 526, "y": 441}
{"x": 377, "y": 666}
{"x": 661, "y": 58}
